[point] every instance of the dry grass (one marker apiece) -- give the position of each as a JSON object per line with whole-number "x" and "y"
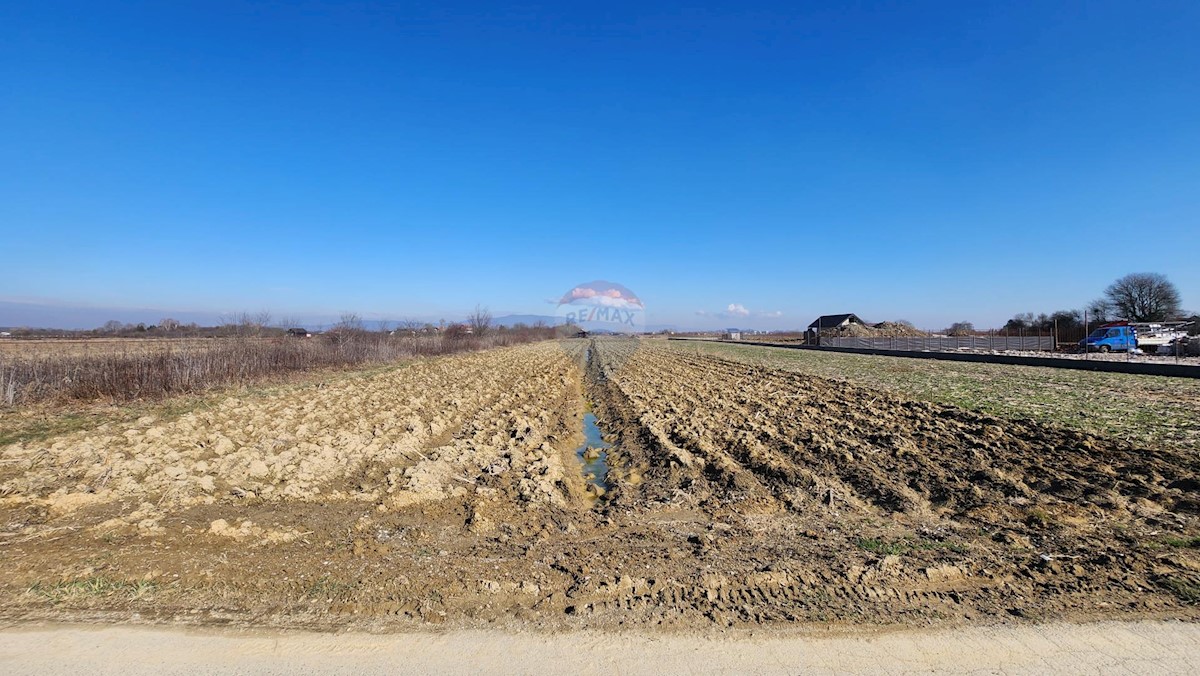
{"x": 91, "y": 347}
{"x": 123, "y": 370}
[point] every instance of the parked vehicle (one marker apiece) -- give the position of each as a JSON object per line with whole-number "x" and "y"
{"x": 1149, "y": 337}
{"x": 1152, "y": 338}
{"x": 1111, "y": 338}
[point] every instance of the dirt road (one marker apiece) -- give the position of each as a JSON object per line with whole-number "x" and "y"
{"x": 1142, "y": 647}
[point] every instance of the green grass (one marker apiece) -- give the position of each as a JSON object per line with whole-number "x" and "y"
{"x": 1184, "y": 542}
{"x": 96, "y": 587}
{"x": 1146, "y": 411}
{"x": 1188, "y": 591}
{"x": 1038, "y": 517}
{"x": 12, "y": 432}
{"x": 327, "y": 588}
{"x": 877, "y": 546}
{"x": 907, "y": 546}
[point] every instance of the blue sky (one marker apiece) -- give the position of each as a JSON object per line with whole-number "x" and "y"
{"x": 929, "y": 161}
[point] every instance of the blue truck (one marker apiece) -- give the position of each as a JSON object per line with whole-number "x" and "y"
{"x": 1111, "y": 338}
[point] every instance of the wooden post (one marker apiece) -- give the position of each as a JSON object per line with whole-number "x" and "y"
{"x": 1085, "y": 334}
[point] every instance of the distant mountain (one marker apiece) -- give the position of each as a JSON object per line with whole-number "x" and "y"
{"x": 550, "y": 320}
{"x": 52, "y": 316}
{"x": 656, "y": 328}
{"x": 528, "y": 320}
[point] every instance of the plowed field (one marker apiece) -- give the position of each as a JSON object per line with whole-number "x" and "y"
{"x": 448, "y": 491}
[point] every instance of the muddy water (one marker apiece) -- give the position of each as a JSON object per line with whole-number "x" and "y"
{"x": 593, "y": 454}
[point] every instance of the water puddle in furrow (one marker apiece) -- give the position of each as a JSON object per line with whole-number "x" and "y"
{"x": 593, "y": 454}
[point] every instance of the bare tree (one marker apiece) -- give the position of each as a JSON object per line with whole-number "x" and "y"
{"x": 480, "y": 320}
{"x": 112, "y": 326}
{"x": 347, "y": 331}
{"x": 168, "y": 324}
{"x": 1144, "y": 297}
{"x": 960, "y": 329}
{"x": 349, "y": 321}
{"x": 1098, "y": 310}
{"x": 244, "y": 324}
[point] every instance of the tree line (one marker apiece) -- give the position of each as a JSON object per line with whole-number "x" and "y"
{"x": 1136, "y": 297}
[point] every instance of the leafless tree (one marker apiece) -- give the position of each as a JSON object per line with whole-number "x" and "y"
{"x": 168, "y": 324}
{"x": 246, "y": 323}
{"x": 480, "y": 321}
{"x": 1144, "y": 297}
{"x": 349, "y": 321}
{"x": 112, "y": 326}
{"x": 960, "y": 329}
{"x": 347, "y": 330}
{"x": 1099, "y": 310}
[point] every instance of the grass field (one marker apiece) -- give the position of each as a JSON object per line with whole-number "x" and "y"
{"x": 40, "y": 421}
{"x": 34, "y": 372}
{"x": 84, "y": 347}
{"x": 1147, "y": 411}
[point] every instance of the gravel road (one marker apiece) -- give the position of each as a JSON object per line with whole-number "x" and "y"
{"x": 1109, "y": 647}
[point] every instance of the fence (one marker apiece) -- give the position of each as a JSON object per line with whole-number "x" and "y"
{"x": 1140, "y": 368}
{"x": 944, "y": 343}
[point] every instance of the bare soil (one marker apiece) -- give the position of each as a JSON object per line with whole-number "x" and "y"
{"x": 448, "y": 493}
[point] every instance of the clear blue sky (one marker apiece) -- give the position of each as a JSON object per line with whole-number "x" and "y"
{"x": 929, "y": 161}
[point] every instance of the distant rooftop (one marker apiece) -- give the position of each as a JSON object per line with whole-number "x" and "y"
{"x": 832, "y": 321}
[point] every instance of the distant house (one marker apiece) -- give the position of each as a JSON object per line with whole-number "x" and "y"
{"x": 5, "y": 334}
{"x": 835, "y": 322}
{"x": 732, "y": 334}
{"x": 299, "y": 333}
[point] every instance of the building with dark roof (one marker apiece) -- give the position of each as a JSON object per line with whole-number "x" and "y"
{"x": 835, "y": 321}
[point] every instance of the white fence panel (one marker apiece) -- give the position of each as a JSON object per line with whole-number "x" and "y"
{"x": 945, "y": 343}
